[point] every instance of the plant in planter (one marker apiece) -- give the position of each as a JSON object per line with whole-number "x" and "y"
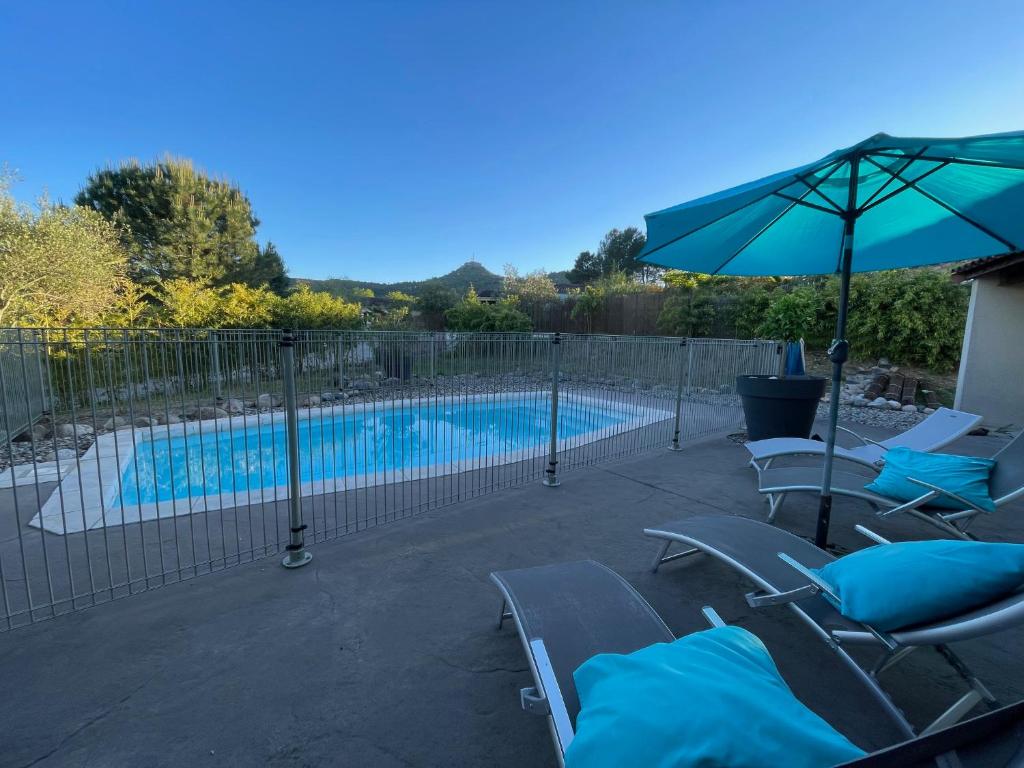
{"x": 783, "y": 406}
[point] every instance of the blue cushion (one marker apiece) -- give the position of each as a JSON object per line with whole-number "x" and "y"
{"x": 914, "y": 582}
{"x": 966, "y": 476}
{"x": 710, "y": 699}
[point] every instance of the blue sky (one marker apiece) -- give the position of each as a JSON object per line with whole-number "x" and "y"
{"x": 396, "y": 140}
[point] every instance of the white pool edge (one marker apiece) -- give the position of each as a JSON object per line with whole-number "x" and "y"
{"x": 85, "y": 498}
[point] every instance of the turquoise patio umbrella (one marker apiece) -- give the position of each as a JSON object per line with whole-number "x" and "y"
{"x": 884, "y": 203}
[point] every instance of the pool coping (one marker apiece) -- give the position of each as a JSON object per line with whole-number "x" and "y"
{"x": 86, "y": 496}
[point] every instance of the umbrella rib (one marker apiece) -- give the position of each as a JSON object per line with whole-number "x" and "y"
{"x": 942, "y": 203}
{"x": 800, "y": 201}
{"x": 836, "y": 163}
{"x": 795, "y": 201}
{"x": 904, "y": 188}
{"x": 877, "y": 192}
{"x": 953, "y": 160}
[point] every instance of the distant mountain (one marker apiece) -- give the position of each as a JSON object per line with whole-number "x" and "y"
{"x": 471, "y": 273}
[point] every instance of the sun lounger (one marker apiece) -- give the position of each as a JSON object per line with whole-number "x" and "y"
{"x": 569, "y": 612}
{"x": 1005, "y": 484}
{"x": 757, "y": 549}
{"x": 935, "y": 432}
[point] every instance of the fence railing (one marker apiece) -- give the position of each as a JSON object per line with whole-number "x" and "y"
{"x": 172, "y": 453}
{"x": 23, "y": 392}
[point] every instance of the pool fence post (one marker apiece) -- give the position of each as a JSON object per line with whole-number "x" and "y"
{"x": 341, "y": 361}
{"x": 683, "y": 372}
{"x": 297, "y": 555}
{"x": 551, "y": 473}
{"x": 215, "y": 364}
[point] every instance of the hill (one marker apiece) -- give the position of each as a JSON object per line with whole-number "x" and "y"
{"x": 471, "y": 273}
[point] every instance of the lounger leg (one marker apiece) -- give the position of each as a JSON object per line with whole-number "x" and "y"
{"x": 891, "y": 658}
{"x": 775, "y": 500}
{"x": 663, "y": 556}
{"x": 969, "y": 677}
{"x": 503, "y": 614}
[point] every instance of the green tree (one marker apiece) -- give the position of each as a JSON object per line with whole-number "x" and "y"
{"x": 618, "y": 252}
{"x": 398, "y": 297}
{"x": 792, "y": 314}
{"x": 178, "y": 222}
{"x": 362, "y": 293}
{"x": 58, "y": 265}
{"x": 472, "y": 315}
{"x": 688, "y": 312}
{"x": 189, "y": 303}
{"x": 267, "y": 269}
{"x": 306, "y": 309}
{"x": 436, "y": 298}
{"x": 241, "y": 306}
{"x": 533, "y": 288}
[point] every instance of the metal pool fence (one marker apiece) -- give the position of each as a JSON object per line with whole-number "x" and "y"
{"x": 166, "y": 454}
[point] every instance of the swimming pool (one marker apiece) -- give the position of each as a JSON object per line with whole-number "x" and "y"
{"x": 142, "y": 474}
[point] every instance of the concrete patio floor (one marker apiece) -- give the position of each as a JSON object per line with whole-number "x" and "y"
{"x": 383, "y": 651}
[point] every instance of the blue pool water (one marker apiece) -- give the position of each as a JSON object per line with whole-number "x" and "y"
{"x": 363, "y": 440}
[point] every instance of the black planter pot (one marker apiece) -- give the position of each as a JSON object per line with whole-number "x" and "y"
{"x": 780, "y": 407}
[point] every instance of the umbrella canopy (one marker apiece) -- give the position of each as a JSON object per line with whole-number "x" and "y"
{"x": 917, "y": 202}
{"x": 884, "y": 203}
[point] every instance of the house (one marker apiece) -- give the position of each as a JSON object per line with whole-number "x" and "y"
{"x": 991, "y": 380}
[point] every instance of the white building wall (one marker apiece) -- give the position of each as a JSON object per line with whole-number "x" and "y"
{"x": 991, "y": 381}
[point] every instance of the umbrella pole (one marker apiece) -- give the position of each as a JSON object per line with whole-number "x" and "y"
{"x": 837, "y": 353}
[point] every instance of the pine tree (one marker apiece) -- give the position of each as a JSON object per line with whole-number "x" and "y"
{"x": 178, "y": 222}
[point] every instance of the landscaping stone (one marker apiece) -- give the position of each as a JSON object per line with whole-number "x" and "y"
{"x": 364, "y": 384}
{"x": 71, "y": 430}
{"x": 928, "y": 411}
{"x": 909, "y": 408}
{"x": 170, "y": 418}
{"x": 145, "y": 421}
{"x": 308, "y": 401}
{"x": 268, "y": 401}
{"x": 233, "y": 405}
{"x": 879, "y": 402}
{"x": 115, "y": 422}
{"x": 895, "y": 404}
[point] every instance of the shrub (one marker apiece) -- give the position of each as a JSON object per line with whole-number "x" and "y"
{"x": 306, "y": 309}
{"x": 791, "y": 315}
{"x": 471, "y": 314}
{"x": 689, "y": 311}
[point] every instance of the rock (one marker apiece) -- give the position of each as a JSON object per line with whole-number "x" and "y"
{"x": 895, "y": 404}
{"x": 73, "y": 430}
{"x": 392, "y": 381}
{"x": 341, "y": 396}
{"x": 364, "y": 384}
{"x": 928, "y": 411}
{"x": 170, "y": 418}
{"x": 233, "y": 405}
{"x": 883, "y": 361}
{"x": 144, "y": 421}
{"x": 908, "y": 408}
{"x": 67, "y": 454}
{"x": 308, "y": 401}
{"x": 268, "y": 401}
{"x": 326, "y": 397}
{"x": 206, "y": 412}
{"x": 879, "y": 402}
{"x": 37, "y": 433}
{"x": 115, "y": 422}
{"x": 859, "y": 402}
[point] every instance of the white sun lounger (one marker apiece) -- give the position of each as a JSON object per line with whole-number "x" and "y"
{"x": 779, "y": 563}
{"x": 937, "y": 431}
{"x": 1005, "y": 484}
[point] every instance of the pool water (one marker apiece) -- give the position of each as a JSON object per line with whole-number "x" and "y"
{"x": 373, "y": 439}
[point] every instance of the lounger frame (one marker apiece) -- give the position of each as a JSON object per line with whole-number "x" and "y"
{"x": 895, "y": 646}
